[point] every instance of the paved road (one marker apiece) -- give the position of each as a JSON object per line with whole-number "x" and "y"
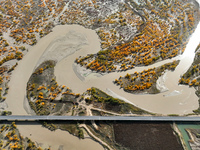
{"x": 111, "y": 118}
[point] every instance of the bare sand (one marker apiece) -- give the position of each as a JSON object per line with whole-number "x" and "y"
{"x": 16, "y": 95}
{"x": 160, "y": 83}
{"x": 63, "y": 46}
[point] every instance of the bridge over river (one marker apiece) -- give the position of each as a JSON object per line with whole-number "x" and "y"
{"x": 102, "y": 118}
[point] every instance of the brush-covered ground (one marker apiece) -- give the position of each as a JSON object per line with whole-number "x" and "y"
{"x": 145, "y": 81}
{"x": 192, "y": 77}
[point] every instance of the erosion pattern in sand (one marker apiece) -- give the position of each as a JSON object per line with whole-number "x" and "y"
{"x": 17, "y": 91}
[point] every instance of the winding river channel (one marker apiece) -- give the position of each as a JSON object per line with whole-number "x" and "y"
{"x": 176, "y": 100}
{"x": 72, "y": 41}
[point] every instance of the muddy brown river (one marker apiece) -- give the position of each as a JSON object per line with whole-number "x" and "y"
{"x": 64, "y": 45}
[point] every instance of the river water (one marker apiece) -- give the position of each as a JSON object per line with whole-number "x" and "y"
{"x": 177, "y": 100}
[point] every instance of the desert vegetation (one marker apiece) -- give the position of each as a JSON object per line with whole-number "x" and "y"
{"x": 131, "y": 34}
{"x": 192, "y": 77}
{"x": 99, "y": 99}
{"x": 45, "y": 95}
{"x": 145, "y": 81}
{"x": 162, "y": 32}
{"x": 12, "y": 139}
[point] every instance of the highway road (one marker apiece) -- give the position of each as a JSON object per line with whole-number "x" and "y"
{"x": 103, "y": 118}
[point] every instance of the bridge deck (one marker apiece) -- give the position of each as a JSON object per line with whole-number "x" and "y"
{"x": 109, "y": 118}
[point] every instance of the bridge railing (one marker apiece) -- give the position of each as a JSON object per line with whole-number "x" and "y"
{"x": 103, "y": 118}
